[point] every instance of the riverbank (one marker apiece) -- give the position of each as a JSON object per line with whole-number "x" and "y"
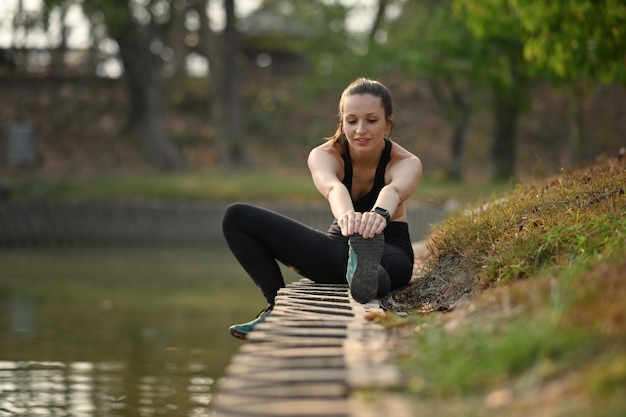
{"x": 519, "y": 307}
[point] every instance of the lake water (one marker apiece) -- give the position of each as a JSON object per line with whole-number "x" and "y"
{"x": 118, "y": 331}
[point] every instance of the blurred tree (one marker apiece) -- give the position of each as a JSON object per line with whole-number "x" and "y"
{"x": 568, "y": 42}
{"x": 228, "y": 91}
{"x": 57, "y": 63}
{"x": 137, "y": 29}
{"x": 577, "y": 44}
{"x": 573, "y": 40}
{"x": 319, "y": 34}
{"x": 378, "y": 20}
{"x": 147, "y": 33}
{"x": 428, "y": 42}
{"x": 176, "y": 37}
{"x": 501, "y": 67}
{"x": 209, "y": 47}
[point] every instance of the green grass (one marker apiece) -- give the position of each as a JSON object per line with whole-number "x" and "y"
{"x": 566, "y": 221}
{"x": 546, "y": 266}
{"x": 206, "y": 186}
{"x": 220, "y": 186}
{"x": 480, "y": 357}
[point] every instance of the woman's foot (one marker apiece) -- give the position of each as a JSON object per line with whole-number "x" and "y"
{"x": 363, "y": 261}
{"x": 241, "y": 331}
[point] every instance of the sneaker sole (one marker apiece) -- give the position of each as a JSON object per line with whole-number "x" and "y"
{"x": 364, "y": 284}
{"x": 237, "y": 334}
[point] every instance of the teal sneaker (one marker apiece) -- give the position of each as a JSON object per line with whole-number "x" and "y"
{"x": 363, "y": 260}
{"x": 240, "y": 331}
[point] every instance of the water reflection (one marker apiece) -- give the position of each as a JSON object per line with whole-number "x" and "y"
{"x": 82, "y": 388}
{"x": 117, "y": 332}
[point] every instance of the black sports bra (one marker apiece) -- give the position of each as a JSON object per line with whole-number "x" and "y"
{"x": 366, "y": 203}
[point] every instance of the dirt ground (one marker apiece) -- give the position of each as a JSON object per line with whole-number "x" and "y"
{"x": 433, "y": 288}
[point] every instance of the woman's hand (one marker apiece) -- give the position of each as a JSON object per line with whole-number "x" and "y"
{"x": 367, "y": 224}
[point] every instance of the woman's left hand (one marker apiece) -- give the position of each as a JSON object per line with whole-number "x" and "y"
{"x": 371, "y": 224}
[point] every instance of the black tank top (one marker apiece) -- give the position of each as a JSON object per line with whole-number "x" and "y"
{"x": 396, "y": 233}
{"x": 366, "y": 203}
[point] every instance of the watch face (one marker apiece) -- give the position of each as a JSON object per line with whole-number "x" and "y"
{"x": 383, "y": 212}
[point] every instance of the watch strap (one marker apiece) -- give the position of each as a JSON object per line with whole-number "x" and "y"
{"x": 383, "y": 212}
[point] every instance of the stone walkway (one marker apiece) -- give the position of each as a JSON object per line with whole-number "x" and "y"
{"x": 309, "y": 356}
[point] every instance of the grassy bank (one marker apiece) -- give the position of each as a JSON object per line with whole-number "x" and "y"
{"x": 521, "y": 307}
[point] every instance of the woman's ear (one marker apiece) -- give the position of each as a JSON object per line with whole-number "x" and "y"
{"x": 390, "y": 124}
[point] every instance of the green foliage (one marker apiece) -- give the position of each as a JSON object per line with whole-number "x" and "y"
{"x": 562, "y": 40}
{"x": 326, "y": 45}
{"x": 430, "y": 42}
{"x": 497, "y": 34}
{"x": 582, "y": 39}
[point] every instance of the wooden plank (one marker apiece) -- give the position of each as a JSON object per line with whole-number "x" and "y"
{"x": 301, "y": 390}
{"x": 288, "y": 341}
{"x": 300, "y": 309}
{"x": 294, "y": 375}
{"x": 270, "y": 407}
{"x": 269, "y": 351}
{"x": 263, "y": 363}
{"x": 277, "y": 329}
{"x": 298, "y": 302}
{"x": 304, "y": 358}
{"x": 309, "y": 322}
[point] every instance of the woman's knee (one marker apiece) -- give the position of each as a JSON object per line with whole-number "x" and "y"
{"x": 400, "y": 269}
{"x": 384, "y": 283}
{"x": 235, "y": 212}
{"x": 233, "y": 216}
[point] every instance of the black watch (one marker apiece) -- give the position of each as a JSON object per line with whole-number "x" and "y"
{"x": 383, "y": 212}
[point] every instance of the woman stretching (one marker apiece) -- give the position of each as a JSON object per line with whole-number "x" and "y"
{"x": 366, "y": 179}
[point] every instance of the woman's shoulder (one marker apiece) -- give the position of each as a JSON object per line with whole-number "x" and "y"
{"x": 398, "y": 152}
{"x": 326, "y": 155}
{"x": 403, "y": 165}
{"x": 327, "y": 148}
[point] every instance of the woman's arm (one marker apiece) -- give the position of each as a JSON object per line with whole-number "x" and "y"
{"x": 404, "y": 174}
{"x": 325, "y": 170}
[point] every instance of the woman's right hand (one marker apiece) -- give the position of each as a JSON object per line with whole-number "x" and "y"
{"x": 349, "y": 223}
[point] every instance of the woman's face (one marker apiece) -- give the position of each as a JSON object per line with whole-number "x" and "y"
{"x": 364, "y": 121}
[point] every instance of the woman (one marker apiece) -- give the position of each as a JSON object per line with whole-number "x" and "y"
{"x": 366, "y": 179}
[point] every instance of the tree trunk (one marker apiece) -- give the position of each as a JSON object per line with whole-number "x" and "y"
{"x": 146, "y": 95}
{"x": 459, "y": 135}
{"x": 503, "y": 148}
{"x": 57, "y": 63}
{"x": 380, "y": 14}
{"x": 457, "y": 111}
{"x": 210, "y": 48}
{"x": 234, "y": 156}
{"x": 176, "y": 33}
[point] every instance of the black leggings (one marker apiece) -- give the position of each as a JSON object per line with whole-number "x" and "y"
{"x": 259, "y": 238}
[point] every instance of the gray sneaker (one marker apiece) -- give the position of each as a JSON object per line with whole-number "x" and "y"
{"x": 363, "y": 260}
{"x": 240, "y": 331}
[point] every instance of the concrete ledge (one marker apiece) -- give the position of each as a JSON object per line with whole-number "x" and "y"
{"x": 66, "y": 223}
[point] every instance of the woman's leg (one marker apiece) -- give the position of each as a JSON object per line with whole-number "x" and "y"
{"x": 259, "y": 238}
{"x": 398, "y": 265}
